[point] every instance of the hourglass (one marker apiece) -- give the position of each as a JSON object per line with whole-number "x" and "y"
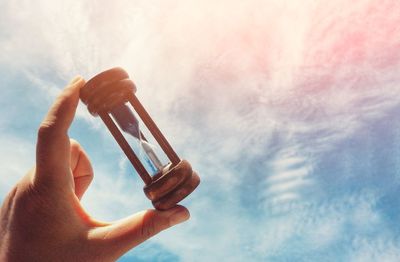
{"x": 111, "y": 95}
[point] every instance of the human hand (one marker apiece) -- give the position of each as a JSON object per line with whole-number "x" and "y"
{"x": 42, "y": 219}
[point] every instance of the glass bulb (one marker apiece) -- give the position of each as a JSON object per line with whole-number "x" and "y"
{"x": 128, "y": 123}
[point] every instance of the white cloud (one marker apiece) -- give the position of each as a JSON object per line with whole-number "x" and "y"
{"x": 379, "y": 249}
{"x": 246, "y": 90}
{"x": 16, "y": 158}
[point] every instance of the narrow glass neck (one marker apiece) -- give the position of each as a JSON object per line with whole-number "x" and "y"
{"x": 129, "y": 124}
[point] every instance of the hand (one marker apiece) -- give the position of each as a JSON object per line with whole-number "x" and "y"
{"x": 42, "y": 219}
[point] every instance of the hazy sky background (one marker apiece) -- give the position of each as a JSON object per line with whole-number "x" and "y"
{"x": 289, "y": 111}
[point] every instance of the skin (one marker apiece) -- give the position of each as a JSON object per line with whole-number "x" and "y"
{"x": 42, "y": 219}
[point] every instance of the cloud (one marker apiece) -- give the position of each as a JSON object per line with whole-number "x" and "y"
{"x": 378, "y": 249}
{"x": 13, "y": 151}
{"x": 258, "y": 95}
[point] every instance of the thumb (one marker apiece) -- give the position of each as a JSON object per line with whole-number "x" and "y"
{"x": 118, "y": 238}
{"x": 52, "y": 149}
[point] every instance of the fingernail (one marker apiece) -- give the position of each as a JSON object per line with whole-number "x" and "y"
{"x": 76, "y": 79}
{"x": 179, "y": 217}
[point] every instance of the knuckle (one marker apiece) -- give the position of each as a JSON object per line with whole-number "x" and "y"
{"x": 149, "y": 229}
{"x": 149, "y": 225}
{"x": 75, "y": 146}
{"x": 46, "y": 129}
{"x": 89, "y": 177}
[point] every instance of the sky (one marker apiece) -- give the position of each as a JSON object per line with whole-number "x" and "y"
{"x": 288, "y": 110}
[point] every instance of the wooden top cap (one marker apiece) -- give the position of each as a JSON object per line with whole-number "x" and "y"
{"x": 107, "y": 90}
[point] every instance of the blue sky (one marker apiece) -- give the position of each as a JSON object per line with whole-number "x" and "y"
{"x": 289, "y": 111}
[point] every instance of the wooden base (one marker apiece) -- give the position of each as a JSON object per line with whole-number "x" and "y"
{"x": 172, "y": 185}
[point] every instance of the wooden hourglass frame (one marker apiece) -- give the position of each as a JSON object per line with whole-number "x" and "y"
{"x": 112, "y": 88}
